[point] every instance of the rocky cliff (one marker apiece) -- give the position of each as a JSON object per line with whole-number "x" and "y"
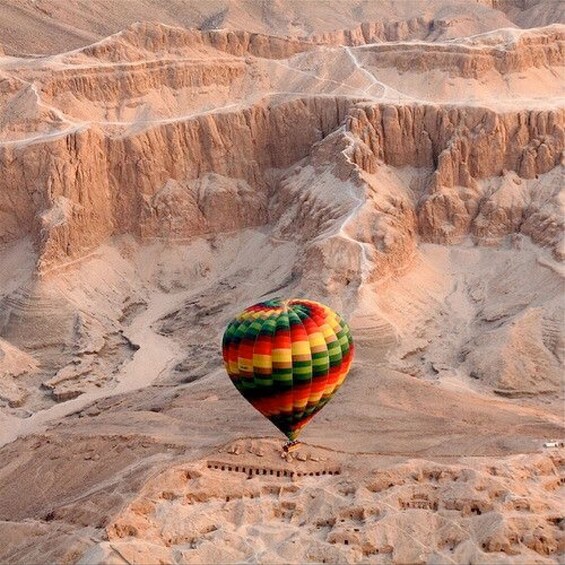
{"x": 463, "y": 146}
{"x": 407, "y": 171}
{"x": 73, "y": 191}
{"x": 153, "y": 38}
{"x": 55, "y": 26}
{"x": 473, "y": 58}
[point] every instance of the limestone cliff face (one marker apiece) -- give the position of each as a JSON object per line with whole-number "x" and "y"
{"x": 58, "y": 191}
{"x": 241, "y": 145}
{"x": 141, "y": 39}
{"x": 373, "y": 32}
{"x": 148, "y": 40}
{"x": 138, "y": 79}
{"x": 166, "y": 132}
{"x": 210, "y": 204}
{"x": 73, "y": 191}
{"x": 462, "y": 143}
{"x": 463, "y": 146}
{"x": 473, "y": 59}
{"x": 426, "y": 26}
{"x": 59, "y": 26}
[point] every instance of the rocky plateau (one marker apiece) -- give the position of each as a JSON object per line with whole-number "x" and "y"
{"x": 166, "y": 164}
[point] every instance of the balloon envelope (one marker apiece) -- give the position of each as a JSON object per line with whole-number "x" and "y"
{"x": 288, "y": 358}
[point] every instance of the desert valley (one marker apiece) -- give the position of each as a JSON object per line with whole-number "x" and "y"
{"x": 164, "y": 165}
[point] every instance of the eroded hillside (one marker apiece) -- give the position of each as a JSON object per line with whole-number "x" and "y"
{"x": 407, "y": 170}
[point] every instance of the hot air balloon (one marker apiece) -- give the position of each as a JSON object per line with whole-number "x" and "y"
{"x": 288, "y": 358}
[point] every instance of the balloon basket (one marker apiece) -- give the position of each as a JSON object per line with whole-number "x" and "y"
{"x": 291, "y": 446}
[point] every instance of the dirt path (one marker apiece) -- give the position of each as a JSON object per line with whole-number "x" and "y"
{"x": 154, "y": 356}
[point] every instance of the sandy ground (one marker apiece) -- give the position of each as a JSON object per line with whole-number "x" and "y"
{"x": 387, "y": 421}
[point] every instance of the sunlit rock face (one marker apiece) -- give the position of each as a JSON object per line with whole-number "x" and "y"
{"x": 161, "y": 169}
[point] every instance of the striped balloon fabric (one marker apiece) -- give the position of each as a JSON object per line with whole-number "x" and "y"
{"x": 288, "y": 358}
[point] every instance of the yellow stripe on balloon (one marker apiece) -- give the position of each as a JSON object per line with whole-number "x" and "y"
{"x": 262, "y": 361}
{"x": 315, "y": 397}
{"x": 245, "y": 365}
{"x": 282, "y": 355}
{"x": 317, "y": 340}
{"x": 329, "y": 334}
{"x": 301, "y": 348}
{"x": 334, "y": 324}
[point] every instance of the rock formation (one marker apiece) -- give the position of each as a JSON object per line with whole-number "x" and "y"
{"x": 406, "y": 168}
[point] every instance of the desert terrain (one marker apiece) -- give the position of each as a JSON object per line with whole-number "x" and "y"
{"x": 164, "y": 165}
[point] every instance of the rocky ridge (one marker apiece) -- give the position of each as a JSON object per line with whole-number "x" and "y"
{"x": 67, "y": 188}
{"x": 409, "y": 173}
{"x": 56, "y": 26}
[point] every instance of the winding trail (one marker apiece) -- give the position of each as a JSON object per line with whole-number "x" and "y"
{"x": 387, "y": 91}
{"x": 156, "y": 354}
